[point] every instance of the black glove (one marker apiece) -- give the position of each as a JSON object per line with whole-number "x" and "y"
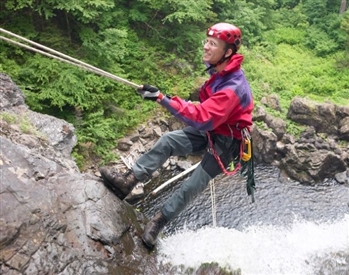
{"x": 149, "y": 92}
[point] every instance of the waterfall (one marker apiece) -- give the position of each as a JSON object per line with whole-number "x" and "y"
{"x": 291, "y": 229}
{"x": 298, "y": 249}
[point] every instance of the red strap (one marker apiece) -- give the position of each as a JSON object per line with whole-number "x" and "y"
{"x": 238, "y": 166}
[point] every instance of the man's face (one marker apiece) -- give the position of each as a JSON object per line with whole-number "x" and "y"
{"x": 214, "y": 49}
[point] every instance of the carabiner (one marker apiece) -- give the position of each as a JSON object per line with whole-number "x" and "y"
{"x": 246, "y": 155}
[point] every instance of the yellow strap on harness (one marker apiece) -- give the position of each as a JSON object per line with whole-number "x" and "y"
{"x": 247, "y": 154}
{"x": 247, "y": 151}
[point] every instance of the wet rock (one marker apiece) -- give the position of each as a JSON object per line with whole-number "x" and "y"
{"x": 54, "y": 219}
{"x": 272, "y": 101}
{"x": 124, "y": 144}
{"x": 213, "y": 268}
{"x": 344, "y": 129}
{"x": 184, "y": 165}
{"x": 343, "y": 177}
{"x": 264, "y": 145}
{"x": 11, "y": 95}
{"x": 321, "y": 116}
{"x": 278, "y": 125}
{"x": 259, "y": 114}
{"x": 318, "y": 153}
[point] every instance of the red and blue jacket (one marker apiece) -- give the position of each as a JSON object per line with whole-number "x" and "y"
{"x": 226, "y": 102}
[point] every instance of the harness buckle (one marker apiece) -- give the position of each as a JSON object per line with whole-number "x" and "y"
{"x": 247, "y": 150}
{"x": 247, "y": 153}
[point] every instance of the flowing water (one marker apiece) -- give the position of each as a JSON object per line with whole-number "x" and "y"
{"x": 290, "y": 229}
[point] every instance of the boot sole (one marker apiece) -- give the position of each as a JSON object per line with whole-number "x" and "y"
{"x": 147, "y": 245}
{"x": 112, "y": 188}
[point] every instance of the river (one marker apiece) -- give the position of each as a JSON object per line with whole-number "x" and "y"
{"x": 290, "y": 229}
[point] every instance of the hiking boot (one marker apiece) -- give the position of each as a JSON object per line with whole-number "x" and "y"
{"x": 120, "y": 184}
{"x": 152, "y": 229}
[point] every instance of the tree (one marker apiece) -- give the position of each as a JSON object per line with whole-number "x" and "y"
{"x": 343, "y": 7}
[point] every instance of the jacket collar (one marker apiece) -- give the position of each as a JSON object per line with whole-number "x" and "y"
{"x": 234, "y": 64}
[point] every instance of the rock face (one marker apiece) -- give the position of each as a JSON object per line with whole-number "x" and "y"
{"x": 54, "y": 219}
{"x": 321, "y": 151}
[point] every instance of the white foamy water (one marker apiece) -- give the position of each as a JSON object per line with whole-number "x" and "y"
{"x": 258, "y": 250}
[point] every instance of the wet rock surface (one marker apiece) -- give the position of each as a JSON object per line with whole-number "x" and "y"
{"x": 54, "y": 219}
{"x": 320, "y": 152}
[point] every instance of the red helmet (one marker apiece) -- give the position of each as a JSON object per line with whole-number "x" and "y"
{"x": 226, "y": 32}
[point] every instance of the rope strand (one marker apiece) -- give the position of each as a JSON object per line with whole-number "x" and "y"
{"x": 62, "y": 57}
{"x": 213, "y": 203}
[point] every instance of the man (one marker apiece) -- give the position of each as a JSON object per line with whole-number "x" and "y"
{"x": 219, "y": 123}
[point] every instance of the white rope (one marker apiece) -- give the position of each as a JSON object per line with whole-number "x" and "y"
{"x": 213, "y": 202}
{"x": 62, "y": 57}
{"x": 162, "y": 186}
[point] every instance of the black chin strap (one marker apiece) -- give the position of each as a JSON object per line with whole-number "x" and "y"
{"x": 220, "y": 61}
{"x": 210, "y": 67}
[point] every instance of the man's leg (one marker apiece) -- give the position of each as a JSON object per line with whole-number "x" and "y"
{"x": 197, "y": 182}
{"x": 194, "y": 185}
{"x": 175, "y": 143}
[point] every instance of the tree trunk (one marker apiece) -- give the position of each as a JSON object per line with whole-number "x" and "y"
{"x": 343, "y": 7}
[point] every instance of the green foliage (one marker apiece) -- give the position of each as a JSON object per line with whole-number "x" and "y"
{"x": 294, "y": 128}
{"x": 86, "y": 11}
{"x": 22, "y": 122}
{"x": 110, "y": 44}
{"x": 345, "y": 23}
{"x": 324, "y": 35}
{"x": 288, "y": 35}
{"x": 18, "y": 4}
{"x": 295, "y": 71}
{"x": 53, "y": 84}
{"x": 186, "y": 11}
{"x": 8, "y": 117}
{"x": 6, "y": 63}
{"x": 315, "y": 10}
{"x": 83, "y": 10}
{"x": 182, "y": 11}
{"x": 291, "y": 18}
{"x": 338, "y": 34}
{"x": 320, "y": 42}
{"x": 343, "y": 61}
{"x": 97, "y": 128}
{"x": 288, "y": 4}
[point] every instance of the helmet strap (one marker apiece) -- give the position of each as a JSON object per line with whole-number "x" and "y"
{"x": 224, "y": 58}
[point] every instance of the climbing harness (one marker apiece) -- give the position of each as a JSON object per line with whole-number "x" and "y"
{"x": 62, "y": 57}
{"x": 244, "y": 163}
{"x": 242, "y": 154}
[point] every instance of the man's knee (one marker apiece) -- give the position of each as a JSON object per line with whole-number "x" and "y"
{"x": 210, "y": 165}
